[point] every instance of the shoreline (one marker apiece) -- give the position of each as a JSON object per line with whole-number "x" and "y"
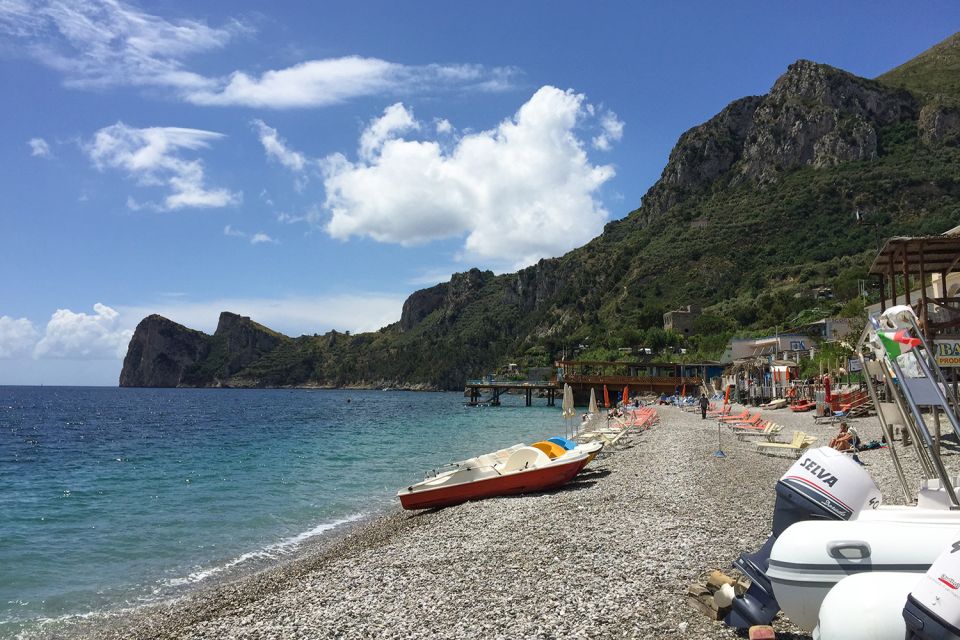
{"x": 609, "y": 555}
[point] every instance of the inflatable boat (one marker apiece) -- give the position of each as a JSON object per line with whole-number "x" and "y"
{"x": 810, "y": 558}
{"x": 825, "y": 500}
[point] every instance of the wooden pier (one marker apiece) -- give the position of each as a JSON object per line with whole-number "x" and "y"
{"x": 474, "y": 389}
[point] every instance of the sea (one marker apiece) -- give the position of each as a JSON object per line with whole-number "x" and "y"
{"x": 111, "y": 499}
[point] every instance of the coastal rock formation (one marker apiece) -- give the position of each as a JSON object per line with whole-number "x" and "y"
{"x": 819, "y": 116}
{"x": 242, "y": 341}
{"x": 161, "y": 352}
{"x": 815, "y": 115}
{"x": 939, "y": 123}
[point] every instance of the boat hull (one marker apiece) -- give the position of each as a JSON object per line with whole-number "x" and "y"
{"x": 539, "y": 479}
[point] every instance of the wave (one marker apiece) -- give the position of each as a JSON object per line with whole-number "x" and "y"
{"x": 279, "y": 549}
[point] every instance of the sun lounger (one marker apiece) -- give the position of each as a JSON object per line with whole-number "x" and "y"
{"x": 737, "y": 418}
{"x": 753, "y": 422}
{"x": 769, "y": 432}
{"x": 753, "y": 426}
{"x": 800, "y": 442}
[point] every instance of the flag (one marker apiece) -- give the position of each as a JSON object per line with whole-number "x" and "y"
{"x": 897, "y": 343}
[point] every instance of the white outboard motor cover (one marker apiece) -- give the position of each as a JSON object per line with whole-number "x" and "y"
{"x": 866, "y": 606}
{"x": 898, "y": 317}
{"x": 810, "y": 557}
{"x": 834, "y": 481}
{"x": 938, "y": 591}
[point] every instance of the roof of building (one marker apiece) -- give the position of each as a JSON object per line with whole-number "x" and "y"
{"x": 926, "y": 254}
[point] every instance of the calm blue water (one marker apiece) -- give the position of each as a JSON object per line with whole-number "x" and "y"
{"x": 116, "y": 497}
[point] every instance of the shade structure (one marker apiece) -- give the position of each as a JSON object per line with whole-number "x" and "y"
{"x": 626, "y": 395}
{"x": 726, "y": 395}
{"x": 606, "y": 397}
{"x": 593, "y": 402}
{"x": 568, "y": 409}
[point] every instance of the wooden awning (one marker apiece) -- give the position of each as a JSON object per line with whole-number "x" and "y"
{"x": 916, "y": 255}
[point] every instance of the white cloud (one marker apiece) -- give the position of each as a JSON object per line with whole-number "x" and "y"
{"x": 82, "y": 336}
{"x": 230, "y": 231}
{"x": 320, "y": 83}
{"x": 17, "y": 337}
{"x": 100, "y": 43}
{"x": 443, "y": 126}
{"x": 151, "y": 155}
{"x": 520, "y": 192}
{"x": 261, "y": 238}
{"x": 256, "y": 238}
{"x": 395, "y": 119}
{"x": 612, "y": 131}
{"x": 277, "y": 149}
{"x": 39, "y": 148}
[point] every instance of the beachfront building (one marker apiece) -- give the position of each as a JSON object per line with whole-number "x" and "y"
{"x": 690, "y": 378}
{"x": 761, "y": 369}
{"x": 681, "y": 320}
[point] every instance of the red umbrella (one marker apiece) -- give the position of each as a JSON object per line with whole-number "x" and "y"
{"x": 726, "y": 395}
{"x": 606, "y": 397}
{"x": 826, "y": 388}
{"x": 626, "y": 395}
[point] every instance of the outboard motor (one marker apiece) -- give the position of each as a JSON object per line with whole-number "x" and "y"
{"x": 932, "y": 611}
{"x": 824, "y": 484}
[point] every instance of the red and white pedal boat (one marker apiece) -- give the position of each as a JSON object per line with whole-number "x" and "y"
{"x": 525, "y": 469}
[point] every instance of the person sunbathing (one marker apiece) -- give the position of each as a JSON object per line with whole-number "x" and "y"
{"x": 848, "y": 440}
{"x": 844, "y": 441}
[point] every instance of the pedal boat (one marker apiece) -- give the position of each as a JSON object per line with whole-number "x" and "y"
{"x": 525, "y": 470}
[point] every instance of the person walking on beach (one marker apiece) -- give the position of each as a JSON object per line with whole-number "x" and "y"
{"x": 704, "y": 403}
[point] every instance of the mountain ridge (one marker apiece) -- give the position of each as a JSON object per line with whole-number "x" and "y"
{"x": 753, "y": 207}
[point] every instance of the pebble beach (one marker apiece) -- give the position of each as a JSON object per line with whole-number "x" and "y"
{"x": 610, "y": 555}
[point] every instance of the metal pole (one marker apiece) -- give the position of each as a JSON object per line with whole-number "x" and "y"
{"x": 885, "y": 427}
{"x": 945, "y": 480}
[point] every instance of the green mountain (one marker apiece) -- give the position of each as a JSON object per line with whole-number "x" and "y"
{"x": 754, "y": 210}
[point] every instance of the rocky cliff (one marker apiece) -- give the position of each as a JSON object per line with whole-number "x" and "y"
{"x": 161, "y": 352}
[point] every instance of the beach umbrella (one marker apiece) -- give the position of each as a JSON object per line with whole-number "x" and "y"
{"x": 726, "y": 395}
{"x": 567, "y": 405}
{"x": 593, "y": 402}
{"x": 606, "y": 397}
{"x": 626, "y": 395}
{"x": 568, "y": 409}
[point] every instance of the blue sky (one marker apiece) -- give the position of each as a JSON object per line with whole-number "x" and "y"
{"x": 312, "y": 165}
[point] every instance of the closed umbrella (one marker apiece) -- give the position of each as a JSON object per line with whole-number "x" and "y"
{"x": 568, "y": 410}
{"x": 593, "y": 402}
{"x": 626, "y": 395}
{"x": 567, "y": 406}
{"x": 606, "y": 397}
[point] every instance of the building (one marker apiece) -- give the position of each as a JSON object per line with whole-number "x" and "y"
{"x": 777, "y": 347}
{"x": 828, "y": 329}
{"x": 681, "y": 320}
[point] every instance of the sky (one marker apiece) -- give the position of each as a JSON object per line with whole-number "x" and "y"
{"x": 312, "y": 164}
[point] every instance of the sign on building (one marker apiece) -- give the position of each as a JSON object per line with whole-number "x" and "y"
{"x": 948, "y": 351}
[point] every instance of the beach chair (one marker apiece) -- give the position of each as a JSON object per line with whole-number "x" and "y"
{"x": 752, "y": 427}
{"x": 769, "y": 432}
{"x": 722, "y": 411}
{"x": 740, "y": 417}
{"x": 794, "y": 448}
{"x": 753, "y": 422}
